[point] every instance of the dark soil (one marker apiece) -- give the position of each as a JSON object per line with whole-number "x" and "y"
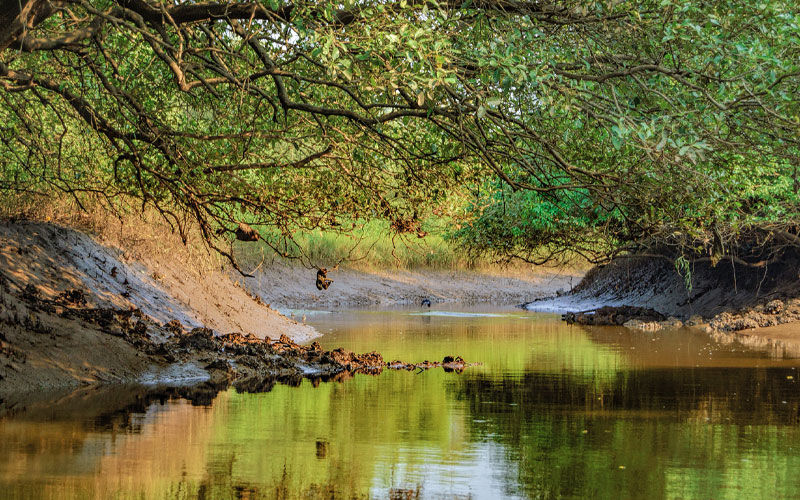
{"x": 242, "y": 360}
{"x": 610, "y": 315}
{"x": 727, "y": 296}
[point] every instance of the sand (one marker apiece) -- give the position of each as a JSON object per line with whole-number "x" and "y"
{"x": 39, "y": 350}
{"x": 294, "y": 287}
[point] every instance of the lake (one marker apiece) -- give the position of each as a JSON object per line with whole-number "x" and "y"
{"x": 553, "y": 411}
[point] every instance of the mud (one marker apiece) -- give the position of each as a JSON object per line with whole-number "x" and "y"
{"x": 614, "y": 316}
{"x": 721, "y": 299}
{"x": 295, "y": 287}
{"x": 159, "y": 352}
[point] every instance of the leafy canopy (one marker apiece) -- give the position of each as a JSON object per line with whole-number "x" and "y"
{"x": 611, "y": 126}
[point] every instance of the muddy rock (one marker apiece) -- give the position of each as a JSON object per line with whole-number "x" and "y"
{"x": 774, "y": 312}
{"x": 671, "y": 322}
{"x": 454, "y": 364}
{"x": 612, "y": 316}
{"x": 353, "y": 362}
{"x": 117, "y": 322}
{"x": 200, "y": 339}
{"x": 72, "y": 297}
{"x": 773, "y": 307}
{"x": 695, "y": 320}
{"x": 174, "y": 327}
{"x": 647, "y": 326}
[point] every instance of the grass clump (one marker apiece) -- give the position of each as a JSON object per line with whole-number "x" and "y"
{"x": 368, "y": 246}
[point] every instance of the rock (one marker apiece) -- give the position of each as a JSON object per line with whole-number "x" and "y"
{"x": 370, "y": 360}
{"x": 174, "y": 327}
{"x": 648, "y": 326}
{"x": 695, "y": 320}
{"x": 199, "y": 338}
{"x": 671, "y": 322}
{"x": 203, "y": 332}
{"x": 73, "y": 297}
{"x": 773, "y": 307}
{"x": 453, "y": 364}
{"x": 743, "y": 324}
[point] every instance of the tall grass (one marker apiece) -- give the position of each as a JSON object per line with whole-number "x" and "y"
{"x": 372, "y": 246}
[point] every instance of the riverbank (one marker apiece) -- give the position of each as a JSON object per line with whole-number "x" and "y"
{"x": 75, "y": 311}
{"x": 755, "y": 306}
{"x": 294, "y": 287}
{"x": 78, "y": 310}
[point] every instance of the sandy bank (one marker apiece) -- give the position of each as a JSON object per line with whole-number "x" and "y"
{"x": 49, "y": 270}
{"x": 294, "y": 287}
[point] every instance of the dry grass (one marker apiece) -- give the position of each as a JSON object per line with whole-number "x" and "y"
{"x": 374, "y": 248}
{"x": 138, "y": 236}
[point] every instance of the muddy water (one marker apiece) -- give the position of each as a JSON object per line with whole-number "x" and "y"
{"x": 554, "y": 412}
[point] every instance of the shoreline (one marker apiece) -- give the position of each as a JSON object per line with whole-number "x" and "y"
{"x": 753, "y": 308}
{"x": 76, "y": 312}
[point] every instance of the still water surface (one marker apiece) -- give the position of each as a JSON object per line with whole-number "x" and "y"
{"x": 555, "y": 411}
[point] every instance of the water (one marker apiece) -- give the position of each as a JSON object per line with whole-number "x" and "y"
{"x": 555, "y": 411}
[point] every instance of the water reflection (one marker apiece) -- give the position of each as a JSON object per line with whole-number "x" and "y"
{"x": 554, "y": 412}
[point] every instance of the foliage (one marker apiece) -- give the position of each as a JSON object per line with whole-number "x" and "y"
{"x": 634, "y": 125}
{"x": 372, "y": 245}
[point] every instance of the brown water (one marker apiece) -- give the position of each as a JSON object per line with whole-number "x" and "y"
{"x": 554, "y": 412}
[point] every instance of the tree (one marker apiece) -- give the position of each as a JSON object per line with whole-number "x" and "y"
{"x": 317, "y": 114}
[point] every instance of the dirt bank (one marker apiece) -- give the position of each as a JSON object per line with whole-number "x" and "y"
{"x": 55, "y": 258}
{"x": 46, "y": 266}
{"x": 655, "y": 283}
{"x": 74, "y": 311}
{"x": 294, "y": 287}
{"x": 734, "y": 303}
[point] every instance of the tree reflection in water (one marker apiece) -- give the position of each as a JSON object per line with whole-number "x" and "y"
{"x": 554, "y": 412}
